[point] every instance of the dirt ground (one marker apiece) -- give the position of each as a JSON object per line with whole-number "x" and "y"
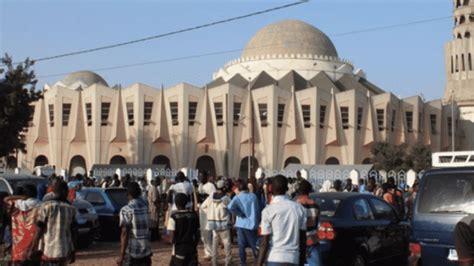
{"x": 106, "y": 253}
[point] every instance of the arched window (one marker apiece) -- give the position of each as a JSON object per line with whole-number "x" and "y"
{"x": 367, "y": 161}
{"x": 467, "y": 35}
{"x": 11, "y": 162}
{"x": 41, "y": 160}
{"x": 77, "y": 166}
{"x": 459, "y": 36}
{"x": 206, "y": 163}
{"x": 458, "y": 3}
{"x": 455, "y": 21}
{"x": 462, "y": 20}
{"x": 291, "y": 160}
{"x": 244, "y": 167}
{"x": 466, "y": 2}
{"x": 162, "y": 160}
{"x": 332, "y": 161}
{"x": 117, "y": 159}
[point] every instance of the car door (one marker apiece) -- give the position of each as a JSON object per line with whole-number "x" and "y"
{"x": 365, "y": 233}
{"x": 394, "y": 234}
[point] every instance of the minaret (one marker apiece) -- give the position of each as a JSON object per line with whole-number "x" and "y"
{"x": 459, "y": 63}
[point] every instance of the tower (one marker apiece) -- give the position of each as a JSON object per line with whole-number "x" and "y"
{"x": 460, "y": 69}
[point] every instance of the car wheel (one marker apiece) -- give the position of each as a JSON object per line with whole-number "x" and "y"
{"x": 359, "y": 260}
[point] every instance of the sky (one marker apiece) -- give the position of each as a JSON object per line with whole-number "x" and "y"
{"x": 406, "y": 61}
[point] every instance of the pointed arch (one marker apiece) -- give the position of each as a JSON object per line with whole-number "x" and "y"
{"x": 77, "y": 166}
{"x": 162, "y": 160}
{"x": 244, "y": 167}
{"x": 41, "y": 160}
{"x": 206, "y": 163}
{"x": 291, "y": 160}
{"x": 332, "y": 161}
{"x": 117, "y": 159}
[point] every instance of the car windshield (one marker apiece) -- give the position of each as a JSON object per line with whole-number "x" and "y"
{"x": 118, "y": 197}
{"x": 328, "y": 206}
{"x": 447, "y": 193}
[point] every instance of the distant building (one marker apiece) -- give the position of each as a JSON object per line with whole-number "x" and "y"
{"x": 309, "y": 106}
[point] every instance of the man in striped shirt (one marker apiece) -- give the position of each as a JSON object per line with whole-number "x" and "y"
{"x": 135, "y": 236}
{"x": 312, "y": 212}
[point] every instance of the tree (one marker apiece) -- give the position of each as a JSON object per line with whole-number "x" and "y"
{"x": 419, "y": 157}
{"x": 386, "y": 156}
{"x": 17, "y": 92}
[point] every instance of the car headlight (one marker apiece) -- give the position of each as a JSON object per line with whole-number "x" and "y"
{"x": 91, "y": 210}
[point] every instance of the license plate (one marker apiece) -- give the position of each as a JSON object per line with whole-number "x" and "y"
{"x": 453, "y": 255}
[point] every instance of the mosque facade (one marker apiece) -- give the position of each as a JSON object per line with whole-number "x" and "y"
{"x": 289, "y": 98}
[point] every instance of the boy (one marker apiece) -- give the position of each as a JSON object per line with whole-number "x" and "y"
{"x": 183, "y": 227}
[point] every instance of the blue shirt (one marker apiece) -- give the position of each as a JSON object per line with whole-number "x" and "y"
{"x": 245, "y": 207}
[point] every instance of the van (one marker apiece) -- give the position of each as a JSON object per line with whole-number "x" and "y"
{"x": 445, "y": 196}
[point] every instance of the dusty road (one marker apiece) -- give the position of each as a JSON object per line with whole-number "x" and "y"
{"x": 105, "y": 254}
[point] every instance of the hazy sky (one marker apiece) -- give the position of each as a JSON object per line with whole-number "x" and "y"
{"x": 406, "y": 61}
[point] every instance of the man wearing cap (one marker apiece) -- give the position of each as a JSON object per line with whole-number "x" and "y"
{"x": 218, "y": 218}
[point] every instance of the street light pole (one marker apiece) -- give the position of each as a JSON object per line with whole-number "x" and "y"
{"x": 452, "y": 121}
{"x": 249, "y": 102}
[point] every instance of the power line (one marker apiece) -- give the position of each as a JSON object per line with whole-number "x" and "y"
{"x": 241, "y": 49}
{"x": 392, "y": 26}
{"x": 207, "y": 25}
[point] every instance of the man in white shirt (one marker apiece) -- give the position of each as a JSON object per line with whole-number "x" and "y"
{"x": 206, "y": 189}
{"x": 181, "y": 186}
{"x": 283, "y": 228}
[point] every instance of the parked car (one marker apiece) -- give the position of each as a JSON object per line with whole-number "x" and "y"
{"x": 86, "y": 217}
{"x": 445, "y": 196}
{"x": 107, "y": 203}
{"x": 360, "y": 229}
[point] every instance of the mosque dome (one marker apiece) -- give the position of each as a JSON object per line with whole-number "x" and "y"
{"x": 289, "y": 37}
{"x": 88, "y": 78}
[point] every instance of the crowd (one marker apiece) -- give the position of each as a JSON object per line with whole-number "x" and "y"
{"x": 274, "y": 217}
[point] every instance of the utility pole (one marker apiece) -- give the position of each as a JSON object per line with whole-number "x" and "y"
{"x": 249, "y": 102}
{"x": 452, "y": 121}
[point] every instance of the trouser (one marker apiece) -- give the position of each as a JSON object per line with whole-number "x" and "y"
{"x": 54, "y": 263}
{"x": 223, "y": 235}
{"x": 464, "y": 240}
{"x": 206, "y": 235}
{"x": 146, "y": 261}
{"x": 313, "y": 258}
{"x": 280, "y": 264}
{"x": 246, "y": 238}
{"x": 184, "y": 255}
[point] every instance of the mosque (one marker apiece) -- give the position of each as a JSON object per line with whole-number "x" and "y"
{"x": 289, "y": 98}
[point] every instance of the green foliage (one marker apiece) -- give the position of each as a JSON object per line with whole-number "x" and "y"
{"x": 17, "y": 92}
{"x": 386, "y": 156}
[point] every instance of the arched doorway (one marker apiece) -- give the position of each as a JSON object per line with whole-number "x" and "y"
{"x": 162, "y": 160}
{"x": 244, "y": 167}
{"x": 332, "y": 161}
{"x": 367, "y": 161}
{"x": 206, "y": 163}
{"x": 291, "y": 160}
{"x": 117, "y": 159}
{"x": 12, "y": 162}
{"x": 77, "y": 166}
{"x": 41, "y": 160}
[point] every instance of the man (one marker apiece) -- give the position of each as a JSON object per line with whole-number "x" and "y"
{"x": 312, "y": 211}
{"x": 181, "y": 186}
{"x": 153, "y": 197}
{"x": 135, "y": 237}
{"x": 56, "y": 228}
{"x": 183, "y": 228}
{"x": 463, "y": 238}
{"x": 205, "y": 189}
{"x": 24, "y": 212}
{"x": 218, "y": 219}
{"x": 283, "y": 229}
{"x": 245, "y": 207}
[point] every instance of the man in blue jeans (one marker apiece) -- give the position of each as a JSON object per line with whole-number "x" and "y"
{"x": 245, "y": 207}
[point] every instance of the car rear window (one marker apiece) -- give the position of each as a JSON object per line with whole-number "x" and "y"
{"x": 328, "y": 206}
{"x": 447, "y": 193}
{"x": 118, "y": 197}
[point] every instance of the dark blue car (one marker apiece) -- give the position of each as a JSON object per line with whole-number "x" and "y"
{"x": 360, "y": 229}
{"x": 107, "y": 203}
{"x": 444, "y": 198}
